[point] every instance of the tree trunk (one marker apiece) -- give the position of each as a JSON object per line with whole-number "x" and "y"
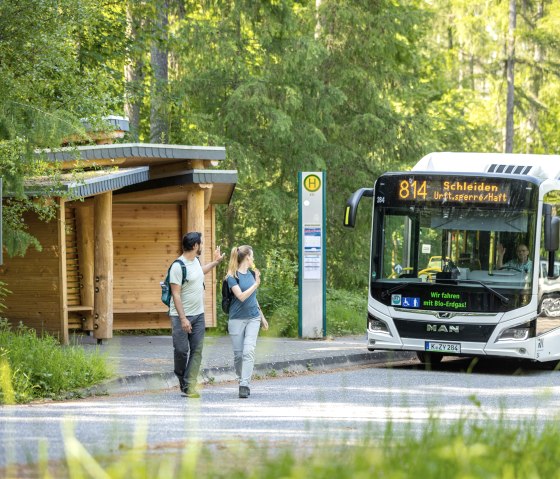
{"x": 536, "y": 82}
{"x": 133, "y": 73}
{"x": 317, "y": 19}
{"x": 159, "y": 130}
{"x": 510, "y": 77}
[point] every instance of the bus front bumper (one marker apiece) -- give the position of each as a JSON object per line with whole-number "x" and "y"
{"x": 514, "y": 349}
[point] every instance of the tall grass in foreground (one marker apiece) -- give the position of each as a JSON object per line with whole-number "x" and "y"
{"x": 462, "y": 449}
{"x": 33, "y": 366}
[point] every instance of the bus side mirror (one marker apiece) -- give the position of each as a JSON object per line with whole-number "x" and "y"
{"x": 552, "y": 238}
{"x": 352, "y": 206}
{"x": 551, "y": 229}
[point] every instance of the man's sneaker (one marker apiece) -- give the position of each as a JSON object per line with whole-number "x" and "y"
{"x": 182, "y": 386}
{"x": 244, "y": 392}
{"x": 192, "y": 394}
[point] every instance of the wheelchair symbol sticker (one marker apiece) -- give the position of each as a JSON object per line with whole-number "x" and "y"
{"x": 410, "y": 302}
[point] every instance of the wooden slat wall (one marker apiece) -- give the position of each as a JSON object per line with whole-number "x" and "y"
{"x": 34, "y": 281}
{"x": 146, "y": 241}
{"x": 140, "y": 320}
{"x": 72, "y": 259}
{"x": 147, "y": 238}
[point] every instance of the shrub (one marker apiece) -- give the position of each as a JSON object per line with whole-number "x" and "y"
{"x": 346, "y": 312}
{"x": 39, "y": 367}
{"x": 277, "y": 295}
{"x": 278, "y": 298}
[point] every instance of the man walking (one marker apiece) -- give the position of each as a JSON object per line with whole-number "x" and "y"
{"x": 186, "y": 311}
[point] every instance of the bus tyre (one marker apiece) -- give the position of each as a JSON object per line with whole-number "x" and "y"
{"x": 429, "y": 358}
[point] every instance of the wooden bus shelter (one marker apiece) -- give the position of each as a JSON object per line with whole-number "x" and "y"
{"x": 118, "y": 228}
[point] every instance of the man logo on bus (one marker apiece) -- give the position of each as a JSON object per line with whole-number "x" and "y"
{"x": 441, "y": 328}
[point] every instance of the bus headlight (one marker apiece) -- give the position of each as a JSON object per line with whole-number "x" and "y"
{"x": 376, "y": 325}
{"x": 520, "y": 332}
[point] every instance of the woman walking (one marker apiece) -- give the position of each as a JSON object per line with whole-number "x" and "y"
{"x": 245, "y": 315}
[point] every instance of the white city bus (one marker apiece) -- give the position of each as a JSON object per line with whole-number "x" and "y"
{"x": 434, "y": 283}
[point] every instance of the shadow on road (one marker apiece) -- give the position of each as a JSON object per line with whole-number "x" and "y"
{"x": 481, "y": 365}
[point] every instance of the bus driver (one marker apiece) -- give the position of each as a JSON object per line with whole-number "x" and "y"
{"x": 522, "y": 263}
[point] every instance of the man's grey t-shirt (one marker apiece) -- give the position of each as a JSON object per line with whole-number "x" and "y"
{"x": 247, "y": 309}
{"x": 192, "y": 295}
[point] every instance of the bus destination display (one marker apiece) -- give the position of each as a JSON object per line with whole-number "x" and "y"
{"x": 456, "y": 191}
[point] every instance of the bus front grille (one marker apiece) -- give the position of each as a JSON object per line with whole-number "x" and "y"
{"x": 479, "y": 333}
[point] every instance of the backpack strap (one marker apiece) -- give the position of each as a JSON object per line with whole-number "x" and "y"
{"x": 230, "y": 276}
{"x": 203, "y": 283}
{"x": 183, "y": 270}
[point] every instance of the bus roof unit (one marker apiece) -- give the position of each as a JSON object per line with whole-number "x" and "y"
{"x": 537, "y": 166}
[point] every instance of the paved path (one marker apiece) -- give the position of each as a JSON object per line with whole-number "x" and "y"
{"x": 146, "y": 362}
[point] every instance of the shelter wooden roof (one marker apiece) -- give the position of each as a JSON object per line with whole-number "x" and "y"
{"x": 88, "y": 183}
{"x": 170, "y": 170}
{"x": 133, "y": 154}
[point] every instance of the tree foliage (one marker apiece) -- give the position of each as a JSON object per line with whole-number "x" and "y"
{"x": 59, "y": 62}
{"x": 355, "y": 88}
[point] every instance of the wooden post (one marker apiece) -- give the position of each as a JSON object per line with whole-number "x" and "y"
{"x": 62, "y": 282}
{"x": 195, "y": 210}
{"x": 207, "y": 195}
{"x": 184, "y": 222}
{"x": 86, "y": 254}
{"x": 103, "y": 267}
{"x": 197, "y": 164}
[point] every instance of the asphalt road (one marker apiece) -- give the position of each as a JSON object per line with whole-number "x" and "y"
{"x": 337, "y": 404}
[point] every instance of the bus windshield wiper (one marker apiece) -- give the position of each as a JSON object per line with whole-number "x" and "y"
{"x": 400, "y": 286}
{"x": 502, "y": 298}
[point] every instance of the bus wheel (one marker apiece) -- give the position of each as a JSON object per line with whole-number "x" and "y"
{"x": 429, "y": 358}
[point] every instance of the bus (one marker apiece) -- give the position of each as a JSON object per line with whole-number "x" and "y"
{"x": 445, "y": 275}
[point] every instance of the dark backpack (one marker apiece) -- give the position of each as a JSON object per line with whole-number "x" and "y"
{"x": 166, "y": 287}
{"x": 227, "y": 295}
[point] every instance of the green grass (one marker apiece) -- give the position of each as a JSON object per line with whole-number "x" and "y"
{"x": 346, "y": 312}
{"x": 441, "y": 450}
{"x": 35, "y": 367}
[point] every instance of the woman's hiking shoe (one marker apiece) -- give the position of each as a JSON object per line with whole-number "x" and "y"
{"x": 193, "y": 393}
{"x": 244, "y": 392}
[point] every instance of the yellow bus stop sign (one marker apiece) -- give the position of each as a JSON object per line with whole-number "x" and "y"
{"x": 312, "y": 183}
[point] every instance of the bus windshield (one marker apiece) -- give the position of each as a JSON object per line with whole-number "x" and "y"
{"x": 417, "y": 243}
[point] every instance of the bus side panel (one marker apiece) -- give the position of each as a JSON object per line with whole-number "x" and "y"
{"x": 548, "y": 346}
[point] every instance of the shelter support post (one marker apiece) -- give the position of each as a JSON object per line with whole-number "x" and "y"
{"x": 103, "y": 267}
{"x": 195, "y": 210}
{"x": 184, "y": 215}
{"x": 86, "y": 253}
{"x": 62, "y": 282}
{"x": 207, "y": 188}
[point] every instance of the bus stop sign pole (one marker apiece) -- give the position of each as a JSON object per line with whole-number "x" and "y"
{"x": 312, "y": 255}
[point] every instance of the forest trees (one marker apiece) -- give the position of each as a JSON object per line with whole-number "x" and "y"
{"x": 488, "y": 42}
{"x": 353, "y": 87}
{"x": 58, "y": 63}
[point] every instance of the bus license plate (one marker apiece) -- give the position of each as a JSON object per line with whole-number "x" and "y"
{"x": 454, "y": 348}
